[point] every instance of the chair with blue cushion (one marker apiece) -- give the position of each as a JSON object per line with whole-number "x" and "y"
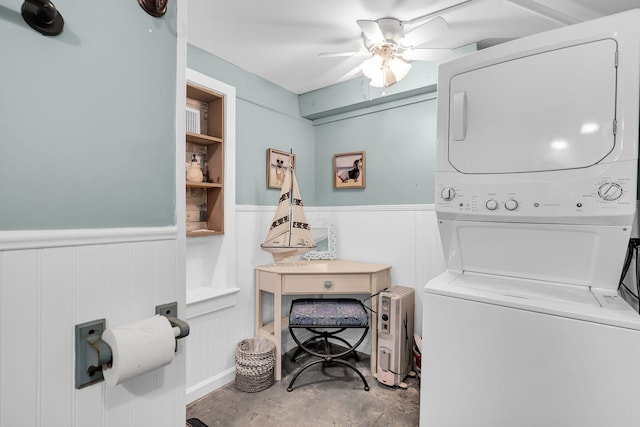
{"x": 326, "y": 318}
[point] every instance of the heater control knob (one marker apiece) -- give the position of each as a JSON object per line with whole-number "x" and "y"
{"x": 511, "y": 205}
{"x": 491, "y": 204}
{"x": 448, "y": 194}
{"x": 610, "y": 191}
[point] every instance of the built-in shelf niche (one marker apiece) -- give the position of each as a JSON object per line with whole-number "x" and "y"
{"x": 205, "y": 200}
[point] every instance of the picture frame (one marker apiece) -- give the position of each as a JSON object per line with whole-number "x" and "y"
{"x": 324, "y": 237}
{"x": 278, "y": 166}
{"x": 349, "y": 170}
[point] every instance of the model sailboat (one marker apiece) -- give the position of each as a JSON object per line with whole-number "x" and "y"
{"x": 290, "y": 233}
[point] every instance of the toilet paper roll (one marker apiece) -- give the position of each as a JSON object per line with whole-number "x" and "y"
{"x": 138, "y": 348}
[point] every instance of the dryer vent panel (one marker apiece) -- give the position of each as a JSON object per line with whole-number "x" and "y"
{"x": 395, "y": 334}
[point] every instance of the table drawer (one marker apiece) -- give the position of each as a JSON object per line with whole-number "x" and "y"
{"x": 326, "y": 284}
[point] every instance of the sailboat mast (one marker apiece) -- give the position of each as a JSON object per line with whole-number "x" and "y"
{"x": 290, "y": 196}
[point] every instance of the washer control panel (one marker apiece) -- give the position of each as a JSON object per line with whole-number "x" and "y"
{"x": 600, "y": 197}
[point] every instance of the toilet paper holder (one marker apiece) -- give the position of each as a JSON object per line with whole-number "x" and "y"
{"x": 92, "y": 353}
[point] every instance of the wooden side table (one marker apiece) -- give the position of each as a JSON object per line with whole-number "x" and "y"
{"x": 316, "y": 278}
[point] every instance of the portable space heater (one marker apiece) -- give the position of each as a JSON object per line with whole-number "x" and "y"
{"x": 395, "y": 335}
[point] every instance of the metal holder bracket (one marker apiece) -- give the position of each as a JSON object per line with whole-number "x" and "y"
{"x": 92, "y": 353}
{"x": 170, "y": 311}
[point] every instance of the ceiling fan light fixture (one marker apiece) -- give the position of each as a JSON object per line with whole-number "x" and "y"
{"x": 372, "y": 66}
{"x": 393, "y": 45}
{"x": 399, "y": 68}
{"x": 385, "y": 70}
{"x": 378, "y": 80}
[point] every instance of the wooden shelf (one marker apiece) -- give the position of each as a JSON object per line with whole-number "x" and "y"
{"x": 198, "y": 138}
{"x": 203, "y": 184}
{"x": 204, "y": 233}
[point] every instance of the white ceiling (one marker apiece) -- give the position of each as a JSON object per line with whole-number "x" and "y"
{"x": 279, "y": 39}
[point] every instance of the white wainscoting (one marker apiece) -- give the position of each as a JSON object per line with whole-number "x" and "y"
{"x": 211, "y": 347}
{"x": 406, "y": 237}
{"x": 70, "y": 277}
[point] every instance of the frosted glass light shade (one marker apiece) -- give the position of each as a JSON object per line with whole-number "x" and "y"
{"x": 383, "y": 72}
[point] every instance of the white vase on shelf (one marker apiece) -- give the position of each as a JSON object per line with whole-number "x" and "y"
{"x": 194, "y": 172}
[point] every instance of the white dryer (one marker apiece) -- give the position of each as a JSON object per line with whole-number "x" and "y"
{"x": 536, "y": 188}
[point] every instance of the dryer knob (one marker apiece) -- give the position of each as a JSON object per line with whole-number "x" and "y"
{"x": 448, "y": 194}
{"x": 491, "y": 204}
{"x": 511, "y": 205}
{"x": 610, "y": 191}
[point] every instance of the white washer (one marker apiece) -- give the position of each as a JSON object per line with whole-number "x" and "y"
{"x": 505, "y": 359}
{"x": 536, "y": 188}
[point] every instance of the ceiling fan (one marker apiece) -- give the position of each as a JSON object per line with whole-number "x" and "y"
{"x": 391, "y": 45}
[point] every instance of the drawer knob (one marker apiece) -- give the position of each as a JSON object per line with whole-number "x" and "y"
{"x": 328, "y": 284}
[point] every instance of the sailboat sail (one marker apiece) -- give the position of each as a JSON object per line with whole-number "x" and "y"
{"x": 290, "y": 233}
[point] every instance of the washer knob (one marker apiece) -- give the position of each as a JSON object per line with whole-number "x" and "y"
{"x": 448, "y": 194}
{"x": 511, "y": 205}
{"x": 491, "y": 204}
{"x": 610, "y": 191}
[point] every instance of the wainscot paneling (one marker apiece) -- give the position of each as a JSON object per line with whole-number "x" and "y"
{"x": 211, "y": 350}
{"x": 405, "y": 237}
{"x": 69, "y": 277}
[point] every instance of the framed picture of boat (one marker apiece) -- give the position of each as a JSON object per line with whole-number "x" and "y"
{"x": 349, "y": 170}
{"x": 278, "y": 167}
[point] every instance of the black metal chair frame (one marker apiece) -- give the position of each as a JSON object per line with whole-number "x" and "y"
{"x": 324, "y": 335}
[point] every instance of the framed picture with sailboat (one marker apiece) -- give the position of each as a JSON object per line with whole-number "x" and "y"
{"x": 278, "y": 167}
{"x": 349, "y": 170}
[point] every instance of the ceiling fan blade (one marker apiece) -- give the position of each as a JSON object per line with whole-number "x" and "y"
{"x": 425, "y": 32}
{"x": 371, "y": 31}
{"x": 427, "y": 54}
{"x": 350, "y": 74}
{"x": 337, "y": 54}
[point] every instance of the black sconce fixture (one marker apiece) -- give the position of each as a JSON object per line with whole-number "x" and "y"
{"x": 42, "y": 16}
{"x": 155, "y": 8}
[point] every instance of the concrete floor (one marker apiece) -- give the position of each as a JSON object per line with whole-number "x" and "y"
{"x": 333, "y": 396}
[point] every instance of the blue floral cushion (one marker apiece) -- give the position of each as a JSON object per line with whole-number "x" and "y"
{"x": 340, "y": 312}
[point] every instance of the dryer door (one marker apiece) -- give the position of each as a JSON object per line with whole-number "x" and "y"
{"x": 553, "y": 110}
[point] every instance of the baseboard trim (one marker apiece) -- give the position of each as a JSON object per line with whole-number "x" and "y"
{"x": 210, "y": 384}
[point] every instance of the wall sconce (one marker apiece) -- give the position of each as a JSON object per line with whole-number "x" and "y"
{"x": 42, "y": 16}
{"x": 155, "y": 8}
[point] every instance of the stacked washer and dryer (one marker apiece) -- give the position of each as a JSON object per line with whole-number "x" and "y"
{"x": 536, "y": 188}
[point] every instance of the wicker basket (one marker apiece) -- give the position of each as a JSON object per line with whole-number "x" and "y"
{"x": 255, "y": 363}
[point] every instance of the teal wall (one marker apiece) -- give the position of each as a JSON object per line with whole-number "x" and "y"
{"x": 400, "y": 154}
{"x": 258, "y": 130}
{"x": 87, "y": 118}
{"x": 266, "y": 117}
